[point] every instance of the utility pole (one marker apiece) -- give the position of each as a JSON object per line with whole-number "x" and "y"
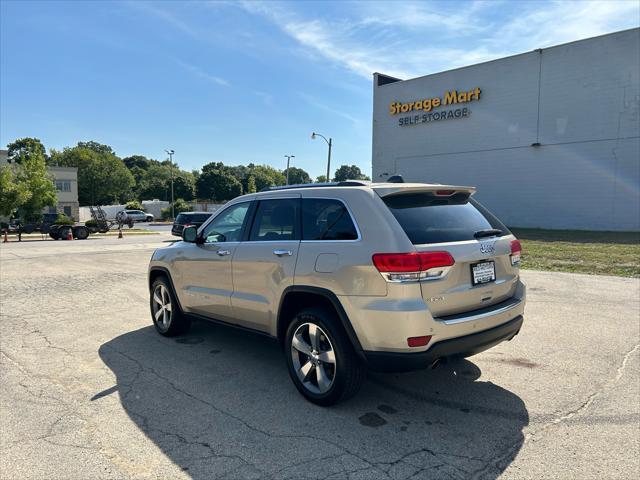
{"x": 173, "y": 210}
{"x": 289, "y": 157}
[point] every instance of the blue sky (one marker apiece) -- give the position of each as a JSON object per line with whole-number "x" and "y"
{"x": 243, "y": 82}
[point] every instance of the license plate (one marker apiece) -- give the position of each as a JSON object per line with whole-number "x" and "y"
{"x": 483, "y": 272}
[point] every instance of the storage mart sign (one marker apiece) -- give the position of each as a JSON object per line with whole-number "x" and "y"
{"x": 452, "y": 97}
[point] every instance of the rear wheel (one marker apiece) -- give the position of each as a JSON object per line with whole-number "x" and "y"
{"x": 167, "y": 317}
{"x": 322, "y": 363}
{"x": 81, "y": 233}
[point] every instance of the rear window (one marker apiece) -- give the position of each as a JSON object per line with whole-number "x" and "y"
{"x": 427, "y": 218}
{"x": 326, "y": 219}
{"x": 182, "y": 219}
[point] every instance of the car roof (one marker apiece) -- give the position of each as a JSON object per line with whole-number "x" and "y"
{"x": 381, "y": 188}
{"x": 196, "y": 213}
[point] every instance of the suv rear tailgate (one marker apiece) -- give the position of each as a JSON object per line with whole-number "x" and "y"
{"x": 440, "y": 218}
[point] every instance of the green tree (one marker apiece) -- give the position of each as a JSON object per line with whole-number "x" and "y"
{"x": 321, "y": 179}
{"x": 184, "y": 185}
{"x": 12, "y": 193}
{"x": 32, "y": 174}
{"x": 155, "y": 183}
{"x": 251, "y": 184}
{"x": 346, "y": 172}
{"x": 97, "y": 147}
{"x": 23, "y": 148}
{"x": 218, "y": 186}
{"x": 265, "y": 176}
{"x": 180, "y": 205}
{"x": 297, "y": 176}
{"x": 103, "y": 178}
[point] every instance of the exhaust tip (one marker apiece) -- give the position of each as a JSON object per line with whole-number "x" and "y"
{"x": 436, "y": 363}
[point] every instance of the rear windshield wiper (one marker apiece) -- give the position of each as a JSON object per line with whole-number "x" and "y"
{"x": 491, "y": 232}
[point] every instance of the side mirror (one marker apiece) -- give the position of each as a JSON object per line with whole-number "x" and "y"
{"x": 190, "y": 234}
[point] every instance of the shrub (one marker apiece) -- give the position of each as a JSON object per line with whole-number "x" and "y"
{"x": 91, "y": 223}
{"x": 134, "y": 205}
{"x": 180, "y": 206}
{"x": 62, "y": 219}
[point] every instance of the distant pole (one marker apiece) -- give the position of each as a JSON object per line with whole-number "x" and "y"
{"x": 289, "y": 157}
{"x": 170, "y": 153}
{"x": 330, "y": 143}
{"x": 329, "y": 162}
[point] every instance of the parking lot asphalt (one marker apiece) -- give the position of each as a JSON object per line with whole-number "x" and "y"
{"x": 89, "y": 390}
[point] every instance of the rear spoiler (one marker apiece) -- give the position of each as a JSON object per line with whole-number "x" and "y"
{"x": 392, "y": 189}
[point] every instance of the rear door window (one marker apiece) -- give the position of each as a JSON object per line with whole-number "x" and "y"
{"x": 427, "y": 218}
{"x": 326, "y": 219}
{"x": 276, "y": 220}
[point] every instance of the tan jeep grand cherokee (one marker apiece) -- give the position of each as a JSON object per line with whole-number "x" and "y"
{"x": 348, "y": 276}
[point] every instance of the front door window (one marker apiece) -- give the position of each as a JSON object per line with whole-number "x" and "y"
{"x": 227, "y": 227}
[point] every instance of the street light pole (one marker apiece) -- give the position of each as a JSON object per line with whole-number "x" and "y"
{"x": 173, "y": 210}
{"x": 289, "y": 157}
{"x": 330, "y": 143}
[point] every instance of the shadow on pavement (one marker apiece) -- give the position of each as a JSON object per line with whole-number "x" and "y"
{"x": 219, "y": 403}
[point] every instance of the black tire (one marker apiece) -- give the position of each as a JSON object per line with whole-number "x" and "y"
{"x": 29, "y": 228}
{"x": 81, "y": 233}
{"x": 348, "y": 371}
{"x": 54, "y": 232}
{"x": 178, "y": 323}
{"x": 63, "y": 232}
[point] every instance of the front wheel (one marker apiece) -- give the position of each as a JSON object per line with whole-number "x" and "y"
{"x": 321, "y": 360}
{"x": 167, "y": 317}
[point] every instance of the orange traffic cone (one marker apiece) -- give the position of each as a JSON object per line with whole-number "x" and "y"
{"x": 69, "y": 234}
{"x": 6, "y": 239}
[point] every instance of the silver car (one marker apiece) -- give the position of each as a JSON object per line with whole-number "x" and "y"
{"x": 348, "y": 276}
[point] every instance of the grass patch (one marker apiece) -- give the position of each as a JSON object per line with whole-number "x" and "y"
{"x": 595, "y": 253}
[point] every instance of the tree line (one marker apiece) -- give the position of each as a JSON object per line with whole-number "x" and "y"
{"x": 105, "y": 178}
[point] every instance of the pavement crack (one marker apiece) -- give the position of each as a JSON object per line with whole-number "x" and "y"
{"x": 240, "y": 420}
{"x": 519, "y": 444}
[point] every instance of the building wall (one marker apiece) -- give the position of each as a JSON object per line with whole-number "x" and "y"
{"x": 580, "y": 102}
{"x": 67, "y": 200}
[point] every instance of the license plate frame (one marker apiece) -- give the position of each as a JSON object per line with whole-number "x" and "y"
{"x": 483, "y": 272}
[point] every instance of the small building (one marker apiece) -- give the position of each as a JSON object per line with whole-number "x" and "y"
{"x": 551, "y": 137}
{"x": 66, "y": 182}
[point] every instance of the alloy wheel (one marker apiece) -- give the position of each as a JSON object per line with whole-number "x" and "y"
{"x": 162, "y": 306}
{"x": 314, "y": 359}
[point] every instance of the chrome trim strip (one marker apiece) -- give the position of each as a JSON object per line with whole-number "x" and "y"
{"x": 478, "y": 316}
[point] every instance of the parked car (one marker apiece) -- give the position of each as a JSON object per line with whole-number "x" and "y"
{"x": 348, "y": 276}
{"x": 138, "y": 215}
{"x": 188, "y": 219}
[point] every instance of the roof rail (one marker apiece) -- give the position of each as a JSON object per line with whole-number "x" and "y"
{"x": 346, "y": 183}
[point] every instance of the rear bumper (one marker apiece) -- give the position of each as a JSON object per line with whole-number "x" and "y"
{"x": 467, "y": 345}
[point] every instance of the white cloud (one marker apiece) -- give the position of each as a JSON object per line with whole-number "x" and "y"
{"x": 411, "y": 39}
{"x": 199, "y": 73}
{"x": 316, "y": 103}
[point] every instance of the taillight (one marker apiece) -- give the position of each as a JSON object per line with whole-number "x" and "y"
{"x": 445, "y": 193}
{"x": 516, "y": 250}
{"x": 413, "y": 266}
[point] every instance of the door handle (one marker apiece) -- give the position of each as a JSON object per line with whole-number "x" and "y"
{"x": 282, "y": 253}
{"x": 222, "y": 253}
